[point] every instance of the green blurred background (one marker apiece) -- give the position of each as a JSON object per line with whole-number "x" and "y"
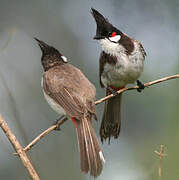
{"x": 149, "y": 118}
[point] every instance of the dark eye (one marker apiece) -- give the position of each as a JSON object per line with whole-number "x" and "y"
{"x": 104, "y": 33}
{"x": 109, "y": 34}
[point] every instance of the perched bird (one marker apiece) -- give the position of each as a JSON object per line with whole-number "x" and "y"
{"x": 70, "y": 93}
{"x": 121, "y": 62}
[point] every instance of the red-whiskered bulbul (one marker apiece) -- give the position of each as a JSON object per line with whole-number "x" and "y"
{"x": 121, "y": 62}
{"x": 70, "y": 93}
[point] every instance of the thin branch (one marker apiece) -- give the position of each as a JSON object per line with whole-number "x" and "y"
{"x": 161, "y": 154}
{"x": 15, "y": 143}
{"x": 47, "y": 131}
{"x": 135, "y": 87}
{"x": 97, "y": 102}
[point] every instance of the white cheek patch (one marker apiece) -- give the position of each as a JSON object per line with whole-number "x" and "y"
{"x": 109, "y": 47}
{"x": 102, "y": 156}
{"x": 64, "y": 59}
{"x": 115, "y": 38}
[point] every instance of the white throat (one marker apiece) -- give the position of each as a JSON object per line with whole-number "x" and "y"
{"x": 110, "y": 47}
{"x": 115, "y": 39}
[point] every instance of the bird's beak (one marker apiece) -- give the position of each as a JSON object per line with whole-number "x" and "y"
{"x": 98, "y": 37}
{"x": 42, "y": 44}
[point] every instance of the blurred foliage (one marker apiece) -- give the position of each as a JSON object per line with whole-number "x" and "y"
{"x": 149, "y": 118}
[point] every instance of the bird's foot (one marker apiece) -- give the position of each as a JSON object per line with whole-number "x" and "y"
{"x": 56, "y": 122}
{"x": 141, "y": 86}
{"x": 113, "y": 91}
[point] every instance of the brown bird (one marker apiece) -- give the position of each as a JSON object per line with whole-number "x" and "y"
{"x": 121, "y": 62}
{"x": 70, "y": 93}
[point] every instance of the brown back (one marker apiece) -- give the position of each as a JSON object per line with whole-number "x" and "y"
{"x": 68, "y": 86}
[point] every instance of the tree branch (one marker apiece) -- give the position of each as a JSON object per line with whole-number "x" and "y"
{"x": 47, "y": 131}
{"x": 97, "y": 102}
{"x": 15, "y": 143}
{"x": 135, "y": 87}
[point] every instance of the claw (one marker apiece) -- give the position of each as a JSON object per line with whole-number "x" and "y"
{"x": 114, "y": 92}
{"x": 141, "y": 86}
{"x": 56, "y": 122}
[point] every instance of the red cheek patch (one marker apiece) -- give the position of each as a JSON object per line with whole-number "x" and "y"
{"x": 113, "y": 34}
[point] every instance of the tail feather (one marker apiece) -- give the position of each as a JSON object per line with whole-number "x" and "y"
{"x": 96, "y": 161}
{"x": 90, "y": 149}
{"x": 91, "y": 154}
{"x": 82, "y": 147}
{"x": 111, "y": 121}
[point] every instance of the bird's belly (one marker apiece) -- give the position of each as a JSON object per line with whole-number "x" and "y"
{"x": 122, "y": 73}
{"x": 56, "y": 107}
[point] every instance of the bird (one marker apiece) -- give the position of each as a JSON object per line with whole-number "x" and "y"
{"x": 71, "y": 94}
{"x": 121, "y": 62}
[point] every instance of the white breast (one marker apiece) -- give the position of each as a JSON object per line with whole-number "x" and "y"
{"x": 126, "y": 70}
{"x": 56, "y": 107}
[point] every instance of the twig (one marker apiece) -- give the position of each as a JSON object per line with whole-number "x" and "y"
{"x": 161, "y": 154}
{"x": 47, "y": 131}
{"x": 13, "y": 140}
{"x": 135, "y": 87}
{"x": 97, "y": 102}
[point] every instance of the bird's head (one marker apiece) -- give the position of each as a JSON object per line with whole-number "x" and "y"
{"x": 50, "y": 55}
{"x": 110, "y": 38}
{"x": 105, "y": 30}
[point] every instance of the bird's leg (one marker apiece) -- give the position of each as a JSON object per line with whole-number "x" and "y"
{"x": 114, "y": 92}
{"x": 56, "y": 122}
{"x": 141, "y": 86}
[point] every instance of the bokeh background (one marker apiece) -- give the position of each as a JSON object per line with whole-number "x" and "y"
{"x": 149, "y": 118}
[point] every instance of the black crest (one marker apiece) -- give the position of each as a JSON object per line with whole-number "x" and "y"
{"x": 50, "y": 55}
{"x": 104, "y": 27}
{"x": 46, "y": 49}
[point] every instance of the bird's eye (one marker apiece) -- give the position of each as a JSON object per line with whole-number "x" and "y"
{"x": 109, "y": 34}
{"x": 104, "y": 33}
{"x": 112, "y": 34}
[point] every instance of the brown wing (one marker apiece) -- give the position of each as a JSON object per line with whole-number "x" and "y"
{"x": 71, "y": 89}
{"x": 102, "y": 62}
{"x": 103, "y": 59}
{"x": 142, "y": 50}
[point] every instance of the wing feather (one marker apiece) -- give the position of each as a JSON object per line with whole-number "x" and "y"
{"x": 74, "y": 93}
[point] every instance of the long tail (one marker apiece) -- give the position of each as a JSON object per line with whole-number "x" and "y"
{"x": 91, "y": 154}
{"x": 111, "y": 121}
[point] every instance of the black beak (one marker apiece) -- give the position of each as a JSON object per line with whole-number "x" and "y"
{"x": 98, "y": 37}
{"x": 42, "y": 44}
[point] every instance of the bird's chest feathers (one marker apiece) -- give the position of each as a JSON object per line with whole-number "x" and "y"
{"x": 127, "y": 68}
